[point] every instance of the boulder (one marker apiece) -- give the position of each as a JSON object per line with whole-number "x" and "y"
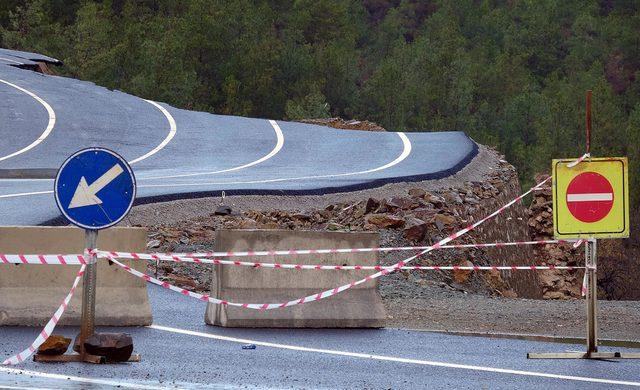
{"x": 182, "y": 281}
{"x": 385, "y": 220}
{"x": 415, "y": 229}
{"x": 437, "y": 201}
{"x": 405, "y": 203}
{"x": 54, "y": 345}
{"x": 453, "y": 197}
{"x": 116, "y": 347}
{"x": 417, "y": 193}
{"x": 443, "y": 221}
{"x": 153, "y": 244}
{"x": 223, "y": 210}
{"x": 462, "y": 276}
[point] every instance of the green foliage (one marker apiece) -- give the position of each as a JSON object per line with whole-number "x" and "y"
{"x": 314, "y": 105}
{"x": 510, "y": 74}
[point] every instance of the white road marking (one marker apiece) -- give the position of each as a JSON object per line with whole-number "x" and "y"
{"x": 273, "y": 152}
{"x": 73, "y": 378}
{"x": 405, "y": 153}
{"x": 47, "y": 130}
{"x": 589, "y": 197}
{"x": 397, "y": 359}
{"x": 10, "y": 60}
{"x": 25, "y": 194}
{"x": 406, "y": 150}
{"x": 172, "y": 132}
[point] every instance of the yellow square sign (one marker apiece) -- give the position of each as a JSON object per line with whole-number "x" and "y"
{"x": 591, "y": 199}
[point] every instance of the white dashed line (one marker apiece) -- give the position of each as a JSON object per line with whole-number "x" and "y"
{"x": 273, "y": 152}
{"x": 47, "y": 130}
{"x": 172, "y": 132}
{"x": 398, "y": 359}
{"x": 406, "y": 151}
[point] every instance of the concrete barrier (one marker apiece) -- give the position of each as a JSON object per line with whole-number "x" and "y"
{"x": 29, "y": 294}
{"x": 359, "y": 307}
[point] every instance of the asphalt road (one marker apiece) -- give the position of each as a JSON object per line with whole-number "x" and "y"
{"x": 179, "y": 351}
{"x": 177, "y": 153}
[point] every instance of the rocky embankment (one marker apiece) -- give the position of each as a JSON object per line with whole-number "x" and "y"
{"x": 556, "y": 284}
{"x": 416, "y": 216}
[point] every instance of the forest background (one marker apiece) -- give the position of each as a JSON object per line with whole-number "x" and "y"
{"x": 511, "y": 74}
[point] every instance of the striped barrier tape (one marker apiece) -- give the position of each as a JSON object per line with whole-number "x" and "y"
{"x": 43, "y": 259}
{"x": 79, "y": 260}
{"x": 319, "y": 296}
{"x": 49, "y": 327}
{"x": 294, "y": 252}
{"x": 579, "y": 160}
{"x": 179, "y": 259}
{"x": 331, "y": 292}
{"x": 75, "y": 259}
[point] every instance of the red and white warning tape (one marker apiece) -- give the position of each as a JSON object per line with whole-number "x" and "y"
{"x": 49, "y": 327}
{"x": 579, "y": 160}
{"x": 74, "y": 259}
{"x": 331, "y": 292}
{"x": 293, "y": 252}
{"x": 43, "y": 259}
{"x": 79, "y": 260}
{"x": 180, "y": 259}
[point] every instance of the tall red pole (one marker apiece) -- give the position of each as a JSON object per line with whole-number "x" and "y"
{"x": 588, "y": 120}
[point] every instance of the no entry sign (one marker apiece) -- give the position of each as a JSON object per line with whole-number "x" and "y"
{"x": 591, "y": 199}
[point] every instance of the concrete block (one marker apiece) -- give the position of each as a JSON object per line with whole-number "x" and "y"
{"x": 358, "y": 307}
{"x": 30, "y": 293}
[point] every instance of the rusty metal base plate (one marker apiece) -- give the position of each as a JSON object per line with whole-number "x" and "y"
{"x": 135, "y": 358}
{"x": 584, "y": 355}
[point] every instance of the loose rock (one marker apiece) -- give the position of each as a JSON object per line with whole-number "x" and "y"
{"x": 54, "y": 345}
{"x": 116, "y": 347}
{"x": 385, "y": 220}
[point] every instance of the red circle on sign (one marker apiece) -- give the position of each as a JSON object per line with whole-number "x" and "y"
{"x": 589, "y": 197}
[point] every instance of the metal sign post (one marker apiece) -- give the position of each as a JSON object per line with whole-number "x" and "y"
{"x": 87, "y": 324}
{"x": 94, "y": 189}
{"x": 585, "y": 206}
{"x": 592, "y": 295}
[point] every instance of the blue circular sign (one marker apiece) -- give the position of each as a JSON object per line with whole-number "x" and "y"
{"x": 95, "y": 188}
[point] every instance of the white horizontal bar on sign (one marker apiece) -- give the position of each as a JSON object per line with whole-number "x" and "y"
{"x": 600, "y": 197}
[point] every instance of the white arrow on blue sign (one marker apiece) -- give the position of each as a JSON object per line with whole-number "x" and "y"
{"x": 95, "y": 188}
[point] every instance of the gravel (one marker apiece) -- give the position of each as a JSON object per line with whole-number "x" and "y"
{"x": 457, "y": 311}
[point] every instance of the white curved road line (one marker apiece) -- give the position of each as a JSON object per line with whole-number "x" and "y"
{"x": 406, "y": 151}
{"x": 10, "y": 60}
{"x": 172, "y": 132}
{"x": 399, "y": 359}
{"x": 47, "y": 130}
{"x": 273, "y": 152}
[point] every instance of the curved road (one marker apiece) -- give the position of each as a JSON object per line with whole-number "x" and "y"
{"x": 178, "y": 153}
